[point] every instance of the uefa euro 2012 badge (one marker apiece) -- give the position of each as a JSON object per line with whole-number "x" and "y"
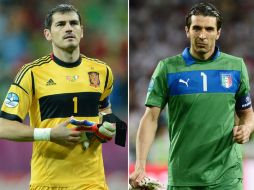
{"x": 11, "y": 100}
{"x": 151, "y": 84}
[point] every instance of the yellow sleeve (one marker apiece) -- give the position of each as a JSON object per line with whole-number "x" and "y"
{"x": 108, "y": 84}
{"x": 18, "y": 99}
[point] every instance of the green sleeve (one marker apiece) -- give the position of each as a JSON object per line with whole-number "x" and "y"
{"x": 157, "y": 90}
{"x": 244, "y": 87}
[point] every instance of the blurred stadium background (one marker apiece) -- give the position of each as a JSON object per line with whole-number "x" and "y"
{"x": 22, "y": 41}
{"x": 157, "y": 31}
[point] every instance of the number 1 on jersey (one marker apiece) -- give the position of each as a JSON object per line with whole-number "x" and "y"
{"x": 75, "y": 101}
{"x": 204, "y": 76}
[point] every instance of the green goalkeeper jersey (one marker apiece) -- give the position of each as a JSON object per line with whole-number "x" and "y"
{"x": 202, "y": 97}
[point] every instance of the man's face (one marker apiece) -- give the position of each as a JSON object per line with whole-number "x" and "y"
{"x": 65, "y": 32}
{"x": 203, "y": 34}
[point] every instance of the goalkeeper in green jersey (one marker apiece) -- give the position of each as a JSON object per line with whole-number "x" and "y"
{"x": 203, "y": 88}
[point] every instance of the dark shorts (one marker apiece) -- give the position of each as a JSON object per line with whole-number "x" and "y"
{"x": 234, "y": 184}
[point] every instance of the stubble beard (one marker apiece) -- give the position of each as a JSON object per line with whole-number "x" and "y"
{"x": 202, "y": 51}
{"x": 69, "y": 48}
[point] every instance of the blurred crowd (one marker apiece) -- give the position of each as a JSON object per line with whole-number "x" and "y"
{"x": 157, "y": 31}
{"x": 105, "y": 38}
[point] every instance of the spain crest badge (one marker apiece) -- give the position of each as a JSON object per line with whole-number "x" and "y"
{"x": 94, "y": 79}
{"x": 226, "y": 80}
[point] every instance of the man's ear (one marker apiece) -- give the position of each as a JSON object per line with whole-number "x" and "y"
{"x": 218, "y": 34}
{"x": 187, "y": 32}
{"x": 47, "y": 34}
{"x": 82, "y": 31}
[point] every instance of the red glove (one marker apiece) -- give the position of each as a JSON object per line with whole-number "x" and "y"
{"x": 104, "y": 132}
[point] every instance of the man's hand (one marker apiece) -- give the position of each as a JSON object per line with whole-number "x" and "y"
{"x": 148, "y": 184}
{"x": 103, "y": 132}
{"x": 138, "y": 175}
{"x": 106, "y": 132}
{"x": 65, "y": 136}
{"x": 121, "y": 127}
{"x": 241, "y": 133}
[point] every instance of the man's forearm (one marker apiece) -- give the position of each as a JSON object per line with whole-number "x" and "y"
{"x": 246, "y": 117}
{"x": 145, "y": 137}
{"x": 16, "y": 131}
{"x": 106, "y": 110}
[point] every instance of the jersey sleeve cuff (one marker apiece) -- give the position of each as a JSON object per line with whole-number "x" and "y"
{"x": 243, "y": 102}
{"x": 153, "y": 104}
{"x": 104, "y": 103}
{"x": 9, "y": 116}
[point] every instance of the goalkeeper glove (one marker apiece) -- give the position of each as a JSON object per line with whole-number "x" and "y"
{"x": 121, "y": 128}
{"x": 103, "y": 132}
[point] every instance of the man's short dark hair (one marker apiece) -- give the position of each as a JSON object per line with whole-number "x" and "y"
{"x": 204, "y": 9}
{"x": 61, "y": 8}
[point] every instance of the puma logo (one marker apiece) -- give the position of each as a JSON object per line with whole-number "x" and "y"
{"x": 185, "y": 82}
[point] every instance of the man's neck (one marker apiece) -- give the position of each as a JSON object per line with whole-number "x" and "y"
{"x": 66, "y": 56}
